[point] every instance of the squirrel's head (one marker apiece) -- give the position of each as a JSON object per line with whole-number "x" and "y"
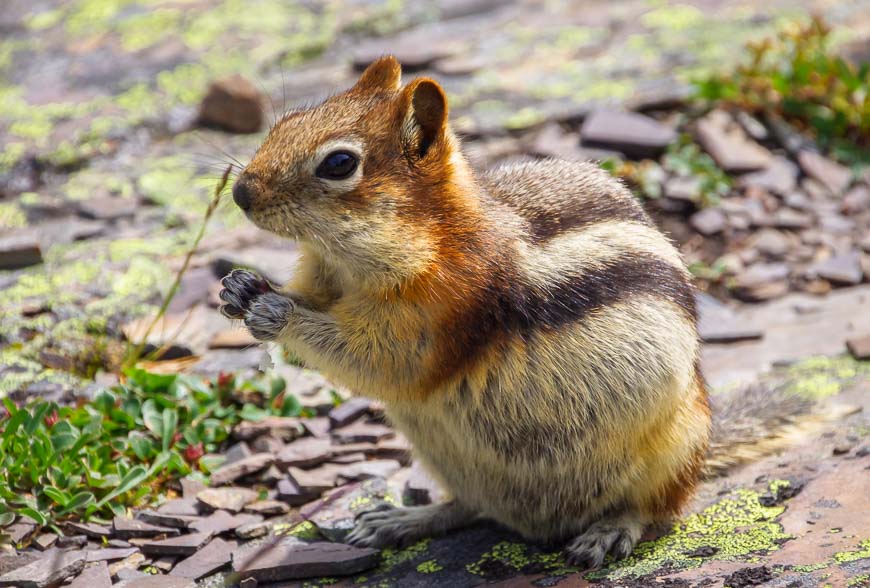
{"x": 367, "y": 178}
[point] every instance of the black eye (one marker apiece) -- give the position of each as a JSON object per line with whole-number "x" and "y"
{"x": 338, "y": 165}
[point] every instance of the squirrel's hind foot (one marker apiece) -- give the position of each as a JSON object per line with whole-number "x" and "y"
{"x": 615, "y": 536}
{"x": 401, "y": 527}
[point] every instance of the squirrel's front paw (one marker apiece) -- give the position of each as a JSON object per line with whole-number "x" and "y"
{"x": 253, "y": 299}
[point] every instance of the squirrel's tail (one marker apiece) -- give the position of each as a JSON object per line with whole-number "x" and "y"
{"x": 758, "y": 420}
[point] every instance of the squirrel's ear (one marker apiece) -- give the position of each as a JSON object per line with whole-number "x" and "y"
{"x": 384, "y": 73}
{"x": 425, "y": 115}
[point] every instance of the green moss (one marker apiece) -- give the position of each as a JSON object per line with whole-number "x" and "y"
{"x": 676, "y": 17}
{"x": 430, "y": 566}
{"x": 149, "y": 28}
{"x": 306, "y": 530}
{"x": 44, "y": 20}
{"x": 860, "y": 580}
{"x": 11, "y": 216}
{"x": 390, "y": 558}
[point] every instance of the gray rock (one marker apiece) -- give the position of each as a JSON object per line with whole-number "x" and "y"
{"x": 184, "y": 545}
{"x": 842, "y": 269}
{"x": 46, "y": 572}
{"x": 108, "y": 208}
{"x": 772, "y": 243}
{"x": 12, "y": 561}
{"x": 316, "y": 480}
{"x": 110, "y": 554}
{"x": 635, "y": 135}
{"x": 348, "y": 411}
{"x": 218, "y": 522}
{"x": 856, "y": 200}
{"x": 859, "y": 347}
{"x": 125, "y": 528}
{"x": 729, "y": 146}
{"x": 709, "y": 221}
{"x": 318, "y": 427}
{"x": 687, "y": 189}
{"x": 420, "y": 487}
{"x": 19, "y": 248}
{"x": 375, "y": 468}
{"x": 184, "y": 507}
{"x": 762, "y": 281}
{"x": 289, "y": 560}
{"x": 149, "y": 581}
{"x": 281, "y": 427}
{"x": 248, "y": 465}
{"x": 20, "y": 532}
{"x": 268, "y": 507}
{"x": 233, "y": 104}
{"x": 166, "y": 520}
{"x": 290, "y": 492}
{"x": 92, "y": 530}
{"x": 830, "y": 174}
{"x": 208, "y": 560}
{"x": 779, "y": 177}
{"x": 93, "y": 576}
{"x": 231, "y": 498}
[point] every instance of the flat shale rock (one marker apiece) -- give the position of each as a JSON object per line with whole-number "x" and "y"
{"x": 108, "y": 208}
{"x": 420, "y": 488}
{"x": 859, "y": 347}
{"x": 780, "y": 177}
{"x": 305, "y": 452}
{"x": 635, "y": 135}
{"x": 709, "y": 221}
{"x": 125, "y": 528}
{"x": 842, "y": 269}
{"x": 233, "y": 104}
{"x": 248, "y": 465}
{"x": 93, "y": 576}
{"x": 729, "y": 146}
{"x": 289, "y": 560}
{"x": 290, "y": 492}
{"x": 156, "y": 582}
{"x": 317, "y": 480}
{"x": 19, "y": 248}
{"x": 232, "y": 339}
{"x": 375, "y": 468}
{"x": 110, "y": 554}
{"x": 268, "y": 507}
{"x": 46, "y": 572}
{"x": 231, "y": 498}
{"x": 182, "y": 507}
{"x": 10, "y": 561}
{"x": 216, "y": 523}
{"x": 281, "y": 427}
{"x": 830, "y": 174}
{"x": 361, "y": 432}
{"x": 210, "y": 559}
{"x": 762, "y": 281}
{"x": 184, "y": 545}
{"x": 166, "y": 520}
{"x": 348, "y": 411}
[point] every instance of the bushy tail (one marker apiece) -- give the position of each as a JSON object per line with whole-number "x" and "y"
{"x": 759, "y": 420}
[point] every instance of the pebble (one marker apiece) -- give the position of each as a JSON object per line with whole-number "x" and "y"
{"x": 708, "y": 221}
{"x": 772, "y": 243}
{"x": 635, "y": 135}
{"x": 844, "y": 270}
{"x": 290, "y": 560}
{"x": 234, "y": 104}
{"x": 210, "y": 559}
{"x": 348, "y": 411}
{"x": 232, "y": 499}
{"x": 780, "y": 176}
{"x": 835, "y": 177}
{"x": 19, "y": 248}
{"x": 856, "y": 200}
{"x": 859, "y": 347}
{"x": 108, "y": 208}
{"x": 729, "y": 146}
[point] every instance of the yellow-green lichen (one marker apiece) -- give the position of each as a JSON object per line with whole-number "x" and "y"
{"x": 11, "y": 216}
{"x": 736, "y": 527}
{"x": 863, "y": 552}
{"x": 390, "y": 558}
{"x": 430, "y": 566}
{"x": 860, "y": 580}
{"x": 306, "y": 530}
{"x": 821, "y": 377}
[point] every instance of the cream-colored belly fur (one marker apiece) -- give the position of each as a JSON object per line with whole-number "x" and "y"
{"x": 563, "y": 429}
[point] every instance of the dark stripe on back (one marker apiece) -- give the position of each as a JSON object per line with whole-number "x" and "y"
{"x": 508, "y": 308}
{"x": 547, "y": 224}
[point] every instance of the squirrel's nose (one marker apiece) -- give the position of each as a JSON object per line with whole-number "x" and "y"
{"x": 242, "y": 193}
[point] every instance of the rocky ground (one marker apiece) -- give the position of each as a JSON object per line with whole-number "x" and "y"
{"x": 118, "y": 116}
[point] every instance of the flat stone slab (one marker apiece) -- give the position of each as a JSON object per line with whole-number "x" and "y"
{"x": 635, "y": 135}
{"x": 348, "y": 411}
{"x": 209, "y": 559}
{"x": 241, "y": 467}
{"x": 231, "y": 499}
{"x": 46, "y": 572}
{"x": 93, "y": 576}
{"x": 184, "y": 545}
{"x": 305, "y": 452}
{"x": 156, "y": 582}
{"x": 125, "y": 528}
{"x": 290, "y": 560}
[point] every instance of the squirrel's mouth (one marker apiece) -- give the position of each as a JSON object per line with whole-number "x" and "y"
{"x": 277, "y": 219}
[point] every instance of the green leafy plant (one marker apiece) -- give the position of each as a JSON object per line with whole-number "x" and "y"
{"x": 121, "y": 448}
{"x": 796, "y": 76}
{"x": 685, "y": 159}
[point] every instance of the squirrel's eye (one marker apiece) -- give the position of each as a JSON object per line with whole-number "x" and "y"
{"x": 338, "y": 165}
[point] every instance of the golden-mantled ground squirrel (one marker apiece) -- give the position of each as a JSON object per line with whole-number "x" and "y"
{"x": 529, "y": 329}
